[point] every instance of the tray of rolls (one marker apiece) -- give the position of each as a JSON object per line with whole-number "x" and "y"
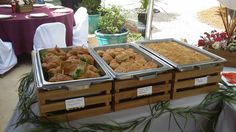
{"x": 181, "y": 55}
{"x": 67, "y": 67}
{"x": 125, "y": 61}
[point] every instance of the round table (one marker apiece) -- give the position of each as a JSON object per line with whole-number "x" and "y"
{"x": 21, "y": 28}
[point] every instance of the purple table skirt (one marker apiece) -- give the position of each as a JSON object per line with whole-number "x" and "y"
{"x": 20, "y": 30}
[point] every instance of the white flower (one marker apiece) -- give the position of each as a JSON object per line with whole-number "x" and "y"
{"x": 216, "y": 45}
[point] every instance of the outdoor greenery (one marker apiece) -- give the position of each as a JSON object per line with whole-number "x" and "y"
{"x": 112, "y": 20}
{"x": 208, "y": 109}
{"x": 92, "y": 6}
{"x": 134, "y": 37}
{"x": 144, "y": 4}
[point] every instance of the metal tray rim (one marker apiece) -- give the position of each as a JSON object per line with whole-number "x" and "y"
{"x": 182, "y": 67}
{"x": 164, "y": 67}
{"x": 41, "y": 82}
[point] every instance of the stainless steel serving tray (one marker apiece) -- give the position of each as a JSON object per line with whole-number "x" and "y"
{"x": 214, "y": 58}
{"x": 141, "y": 74}
{"x": 86, "y": 82}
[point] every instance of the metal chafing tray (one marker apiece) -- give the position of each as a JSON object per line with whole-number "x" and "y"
{"x": 140, "y": 74}
{"x": 80, "y": 83}
{"x": 214, "y": 58}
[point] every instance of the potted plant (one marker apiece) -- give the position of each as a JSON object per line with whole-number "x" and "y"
{"x": 73, "y": 4}
{"x": 92, "y": 7}
{"x": 111, "y": 26}
{"x": 142, "y": 12}
{"x": 142, "y": 16}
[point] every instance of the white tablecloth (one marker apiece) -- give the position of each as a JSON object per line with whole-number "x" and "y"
{"x": 226, "y": 121}
{"x": 161, "y": 124}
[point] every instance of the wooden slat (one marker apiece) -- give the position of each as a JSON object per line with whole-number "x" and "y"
{"x": 61, "y": 105}
{"x": 41, "y": 97}
{"x": 190, "y": 83}
{"x": 196, "y": 73}
{"x": 81, "y": 114}
{"x": 121, "y": 84}
{"x": 63, "y": 93}
{"x": 141, "y": 102}
{"x": 204, "y": 89}
{"x": 133, "y": 93}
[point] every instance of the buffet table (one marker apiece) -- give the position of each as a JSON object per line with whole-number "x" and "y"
{"x": 226, "y": 120}
{"x": 21, "y": 27}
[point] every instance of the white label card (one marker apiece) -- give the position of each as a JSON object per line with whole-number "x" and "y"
{"x": 75, "y": 103}
{"x": 200, "y": 81}
{"x": 144, "y": 91}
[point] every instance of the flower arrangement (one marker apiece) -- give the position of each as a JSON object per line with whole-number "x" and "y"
{"x": 23, "y": 6}
{"x": 217, "y": 40}
{"x": 222, "y": 40}
{"x": 24, "y": 2}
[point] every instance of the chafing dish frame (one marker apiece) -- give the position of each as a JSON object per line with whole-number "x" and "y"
{"x": 141, "y": 74}
{"x": 183, "y": 67}
{"x": 86, "y": 82}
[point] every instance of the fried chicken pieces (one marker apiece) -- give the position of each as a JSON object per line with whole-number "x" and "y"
{"x": 125, "y": 60}
{"x": 69, "y": 64}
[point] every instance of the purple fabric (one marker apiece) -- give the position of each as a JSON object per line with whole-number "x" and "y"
{"x": 20, "y": 29}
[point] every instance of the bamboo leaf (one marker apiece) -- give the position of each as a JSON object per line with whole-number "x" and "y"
{"x": 176, "y": 121}
{"x": 169, "y": 121}
{"x": 147, "y": 126}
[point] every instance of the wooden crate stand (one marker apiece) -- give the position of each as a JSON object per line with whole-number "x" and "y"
{"x": 126, "y": 91}
{"x": 97, "y": 99}
{"x": 229, "y": 56}
{"x": 194, "y": 82}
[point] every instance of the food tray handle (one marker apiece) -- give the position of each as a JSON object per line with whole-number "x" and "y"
{"x": 73, "y": 88}
{"x": 146, "y": 77}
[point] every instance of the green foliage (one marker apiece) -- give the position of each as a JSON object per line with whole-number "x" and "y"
{"x": 92, "y": 6}
{"x": 134, "y": 37}
{"x": 232, "y": 47}
{"x": 112, "y": 20}
{"x": 144, "y": 4}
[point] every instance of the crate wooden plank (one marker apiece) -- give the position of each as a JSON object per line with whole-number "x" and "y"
{"x": 97, "y": 100}
{"x": 133, "y": 93}
{"x": 192, "y": 92}
{"x": 126, "y": 96}
{"x": 190, "y": 83}
{"x": 41, "y": 97}
{"x": 80, "y": 114}
{"x": 61, "y": 105}
{"x": 229, "y": 56}
{"x": 141, "y": 102}
{"x": 198, "y": 72}
{"x": 123, "y": 84}
{"x": 64, "y": 93}
{"x": 184, "y": 82}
